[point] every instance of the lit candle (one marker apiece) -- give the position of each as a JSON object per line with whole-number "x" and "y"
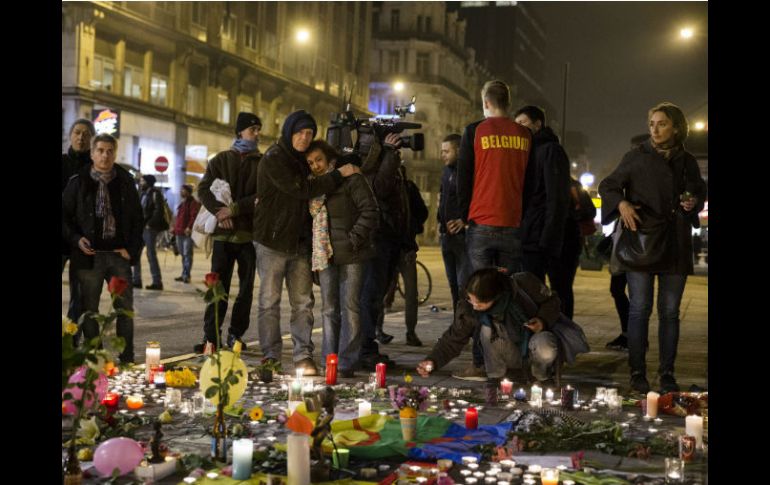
{"x": 381, "y": 371}
{"x": 134, "y": 401}
{"x": 549, "y": 395}
{"x": 549, "y": 476}
{"x": 331, "y": 369}
{"x": 465, "y": 473}
{"x": 152, "y": 359}
{"x": 471, "y": 480}
{"x": 601, "y": 393}
{"x": 534, "y": 469}
{"x": 298, "y": 459}
{"x": 111, "y": 400}
{"x": 364, "y": 409}
{"x": 536, "y": 396}
{"x": 506, "y": 386}
{"x": 508, "y": 463}
{"x": 652, "y": 404}
{"x": 505, "y": 476}
{"x": 694, "y": 427}
{"x": 471, "y": 418}
{"x": 520, "y": 395}
{"x": 243, "y": 450}
{"x": 490, "y": 480}
{"x": 469, "y": 459}
{"x": 473, "y": 466}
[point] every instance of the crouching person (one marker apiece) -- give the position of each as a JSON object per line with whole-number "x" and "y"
{"x": 511, "y": 316}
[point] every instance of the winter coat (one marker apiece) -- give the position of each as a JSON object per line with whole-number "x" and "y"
{"x": 382, "y": 172}
{"x": 79, "y": 215}
{"x": 546, "y": 307}
{"x": 353, "y": 217}
{"x": 647, "y": 179}
{"x": 186, "y": 213}
{"x": 152, "y": 201}
{"x": 282, "y": 220}
{"x": 71, "y": 163}
{"x": 240, "y": 171}
{"x": 547, "y": 195}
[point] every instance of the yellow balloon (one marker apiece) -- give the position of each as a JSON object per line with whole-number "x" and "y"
{"x": 209, "y": 371}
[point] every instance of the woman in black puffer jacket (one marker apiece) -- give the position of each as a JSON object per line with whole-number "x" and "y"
{"x": 343, "y": 222}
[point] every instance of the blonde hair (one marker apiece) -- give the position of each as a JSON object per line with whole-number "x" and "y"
{"x": 497, "y": 93}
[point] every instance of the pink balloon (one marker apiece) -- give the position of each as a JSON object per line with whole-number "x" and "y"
{"x": 100, "y": 384}
{"x": 121, "y": 453}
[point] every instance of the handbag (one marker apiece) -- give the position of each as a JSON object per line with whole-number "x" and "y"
{"x": 650, "y": 248}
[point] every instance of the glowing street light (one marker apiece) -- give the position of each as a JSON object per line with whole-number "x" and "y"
{"x": 687, "y": 33}
{"x": 699, "y": 125}
{"x": 303, "y": 35}
{"x": 398, "y": 86}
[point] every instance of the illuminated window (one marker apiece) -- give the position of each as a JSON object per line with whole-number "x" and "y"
{"x": 198, "y": 13}
{"x": 132, "y": 81}
{"x": 228, "y": 26}
{"x": 250, "y": 36}
{"x": 104, "y": 70}
{"x": 193, "y": 100}
{"x": 223, "y": 109}
{"x": 158, "y": 89}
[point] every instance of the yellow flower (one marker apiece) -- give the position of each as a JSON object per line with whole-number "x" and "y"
{"x": 68, "y": 326}
{"x": 256, "y": 413}
{"x": 408, "y": 412}
{"x": 408, "y": 378}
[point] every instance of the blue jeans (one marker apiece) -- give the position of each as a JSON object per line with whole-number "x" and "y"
{"x": 502, "y": 354}
{"x": 494, "y": 246}
{"x": 377, "y": 274}
{"x": 456, "y": 263}
{"x": 106, "y": 265}
{"x": 185, "y": 246}
{"x": 640, "y": 295}
{"x": 273, "y": 267}
{"x": 340, "y": 294}
{"x": 224, "y": 255}
{"x": 150, "y": 236}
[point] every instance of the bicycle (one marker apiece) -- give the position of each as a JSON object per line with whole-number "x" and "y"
{"x": 424, "y": 284}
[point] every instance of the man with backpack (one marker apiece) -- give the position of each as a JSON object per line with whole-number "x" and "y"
{"x": 155, "y": 222}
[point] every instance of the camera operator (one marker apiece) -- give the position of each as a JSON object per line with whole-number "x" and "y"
{"x": 381, "y": 168}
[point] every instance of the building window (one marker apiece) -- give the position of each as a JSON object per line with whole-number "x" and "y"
{"x": 132, "y": 81}
{"x": 245, "y": 105}
{"x": 158, "y": 87}
{"x": 104, "y": 70}
{"x": 419, "y": 23}
{"x": 393, "y": 59}
{"x": 223, "y": 109}
{"x": 423, "y": 64}
{"x": 394, "y": 18}
{"x": 193, "y": 100}
{"x": 228, "y": 26}
{"x": 250, "y": 36}
{"x": 428, "y": 27}
{"x": 375, "y": 22}
{"x": 198, "y": 13}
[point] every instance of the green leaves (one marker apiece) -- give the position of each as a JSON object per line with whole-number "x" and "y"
{"x": 211, "y": 391}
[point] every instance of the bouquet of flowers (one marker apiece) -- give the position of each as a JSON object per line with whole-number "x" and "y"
{"x": 409, "y": 399}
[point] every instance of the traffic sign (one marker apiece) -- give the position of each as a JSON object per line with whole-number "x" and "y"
{"x": 161, "y": 164}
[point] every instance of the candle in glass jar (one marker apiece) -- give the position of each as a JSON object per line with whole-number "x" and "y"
{"x": 694, "y": 427}
{"x": 152, "y": 359}
{"x": 471, "y": 418}
{"x": 506, "y": 386}
{"x": 134, "y": 401}
{"x": 331, "y": 369}
{"x": 243, "y": 450}
{"x": 536, "y": 396}
{"x": 111, "y": 400}
{"x": 549, "y": 476}
{"x": 652, "y": 404}
{"x": 364, "y": 409}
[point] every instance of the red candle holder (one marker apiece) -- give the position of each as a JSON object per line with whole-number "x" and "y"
{"x": 471, "y": 418}
{"x": 381, "y": 372}
{"x": 111, "y": 400}
{"x": 331, "y": 369}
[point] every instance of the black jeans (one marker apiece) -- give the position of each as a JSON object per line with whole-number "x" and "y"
{"x": 377, "y": 272}
{"x": 456, "y": 263}
{"x": 223, "y": 259}
{"x": 76, "y": 305}
{"x": 106, "y": 265}
{"x": 561, "y": 274}
{"x": 618, "y": 284}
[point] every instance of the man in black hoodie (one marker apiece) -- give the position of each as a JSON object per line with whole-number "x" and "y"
{"x": 283, "y": 237}
{"x": 78, "y": 156}
{"x": 547, "y": 192}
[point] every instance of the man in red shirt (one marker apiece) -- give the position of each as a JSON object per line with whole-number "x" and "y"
{"x": 491, "y": 170}
{"x": 185, "y": 216}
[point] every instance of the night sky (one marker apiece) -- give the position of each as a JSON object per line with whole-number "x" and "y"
{"x": 625, "y": 57}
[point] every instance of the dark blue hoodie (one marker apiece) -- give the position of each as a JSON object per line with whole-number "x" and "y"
{"x": 299, "y": 117}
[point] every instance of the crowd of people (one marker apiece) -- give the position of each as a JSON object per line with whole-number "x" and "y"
{"x": 510, "y": 217}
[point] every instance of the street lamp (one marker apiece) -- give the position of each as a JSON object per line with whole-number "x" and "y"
{"x": 687, "y": 33}
{"x": 398, "y": 86}
{"x": 302, "y": 36}
{"x": 699, "y": 125}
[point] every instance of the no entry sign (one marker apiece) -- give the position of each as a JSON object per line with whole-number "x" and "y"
{"x": 161, "y": 164}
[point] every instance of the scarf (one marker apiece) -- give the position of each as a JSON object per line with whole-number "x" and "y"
{"x": 322, "y": 246}
{"x": 103, "y": 205}
{"x": 244, "y": 146}
{"x": 666, "y": 150}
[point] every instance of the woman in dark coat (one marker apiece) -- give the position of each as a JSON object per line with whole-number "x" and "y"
{"x": 657, "y": 185}
{"x": 343, "y": 222}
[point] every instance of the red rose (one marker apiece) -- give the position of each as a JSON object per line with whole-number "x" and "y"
{"x": 211, "y": 279}
{"x": 117, "y": 285}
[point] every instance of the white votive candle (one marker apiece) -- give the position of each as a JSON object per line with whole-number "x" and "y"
{"x": 652, "y": 404}
{"x": 243, "y": 451}
{"x": 694, "y": 427}
{"x": 364, "y": 409}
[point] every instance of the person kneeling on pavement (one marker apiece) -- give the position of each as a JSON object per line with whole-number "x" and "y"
{"x": 512, "y": 316}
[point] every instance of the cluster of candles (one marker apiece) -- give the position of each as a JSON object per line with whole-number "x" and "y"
{"x": 131, "y": 386}
{"x": 505, "y": 471}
